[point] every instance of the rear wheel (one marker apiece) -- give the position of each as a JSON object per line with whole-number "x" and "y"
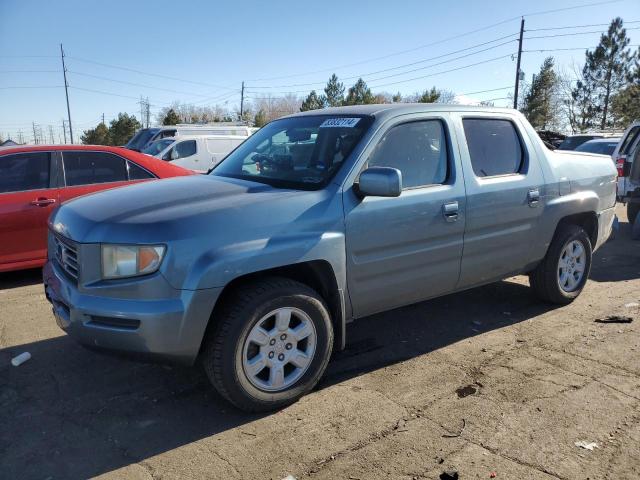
{"x": 632, "y": 211}
{"x": 271, "y": 346}
{"x": 563, "y": 272}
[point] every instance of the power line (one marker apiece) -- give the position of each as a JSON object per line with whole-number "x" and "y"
{"x": 29, "y": 71}
{"x": 567, "y": 49}
{"x": 444, "y": 71}
{"x": 444, "y": 40}
{"x": 32, "y": 86}
{"x": 577, "y": 26}
{"x": 572, "y": 34}
{"x": 136, "y": 84}
{"x": 79, "y": 59}
{"x": 410, "y": 64}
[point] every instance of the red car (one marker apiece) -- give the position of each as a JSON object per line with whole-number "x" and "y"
{"x": 34, "y": 179}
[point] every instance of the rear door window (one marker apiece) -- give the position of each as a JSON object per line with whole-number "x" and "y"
{"x": 494, "y": 146}
{"x": 629, "y": 140}
{"x": 24, "y": 171}
{"x": 85, "y": 168}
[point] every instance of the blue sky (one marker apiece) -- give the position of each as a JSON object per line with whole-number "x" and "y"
{"x": 201, "y": 51}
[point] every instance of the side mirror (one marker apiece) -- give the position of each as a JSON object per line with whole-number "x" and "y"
{"x": 380, "y": 182}
{"x": 174, "y": 154}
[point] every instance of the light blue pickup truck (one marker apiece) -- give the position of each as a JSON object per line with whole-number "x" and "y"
{"x": 317, "y": 219}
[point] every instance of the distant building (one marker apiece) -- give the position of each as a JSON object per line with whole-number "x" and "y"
{"x": 9, "y": 143}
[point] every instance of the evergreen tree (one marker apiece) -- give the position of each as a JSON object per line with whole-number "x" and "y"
{"x": 171, "y": 118}
{"x": 625, "y": 105}
{"x": 260, "y": 120}
{"x": 397, "y": 98}
{"x": 313, "y": 102}
{"x": 606, "y": 70}
{"x": 334, "y": 92}
{"x": 122, "y": 129}
{"x": 429, "y": 96}
{"x": 96, "y": 136}
{"x": 539, "y": 101}
{"x": 359, "y": 94}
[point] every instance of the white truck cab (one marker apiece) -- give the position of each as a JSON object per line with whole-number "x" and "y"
{"x": 197, "y": 152}
{"x": 145, "y": 136}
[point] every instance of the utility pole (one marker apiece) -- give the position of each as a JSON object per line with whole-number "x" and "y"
{"x": 515, "y": 95}
{"x": 20, "y": 139}
{"x": 103, "y": 118}
{"x": 66, "y": 91}
{"x": 148, "y": 105}
{"x": 242, "y": 101}
{"x": 35, "y": 137}
{"x": 51, "y": 134}
{"x": 64, "y": 131}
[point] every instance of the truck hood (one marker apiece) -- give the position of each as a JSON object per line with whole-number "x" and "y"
{"x": 172, "y": 209}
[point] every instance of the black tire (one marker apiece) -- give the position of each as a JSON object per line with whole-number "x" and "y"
{"x": 544, "y": 279}
{"x": 224, "y": 348}
{"x": 632, "y": 212}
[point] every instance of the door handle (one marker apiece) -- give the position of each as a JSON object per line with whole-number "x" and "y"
{"x": 533, "y": 197}
{"x": 450, "y": 211}
{"x": 43, "y": 202}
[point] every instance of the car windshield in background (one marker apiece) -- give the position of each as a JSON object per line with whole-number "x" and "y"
{"x": 571, "y": 143}
{"x": 297, "y": 152}
{"x": 596, "y": 146}
{"x": 156, "y": 147}
{"x": 140, "y": 139}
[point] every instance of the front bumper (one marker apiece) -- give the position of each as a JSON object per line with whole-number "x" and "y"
{"x": 170, "y": 329}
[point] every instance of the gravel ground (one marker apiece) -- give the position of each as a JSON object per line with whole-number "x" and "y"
{"x": 485, "y": 381}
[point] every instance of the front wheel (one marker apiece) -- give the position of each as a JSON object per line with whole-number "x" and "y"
{"x": 271, "y": 346}
{"x": 563, "y": 272}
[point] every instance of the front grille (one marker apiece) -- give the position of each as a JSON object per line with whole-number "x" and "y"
{"x": 66, "y": 254}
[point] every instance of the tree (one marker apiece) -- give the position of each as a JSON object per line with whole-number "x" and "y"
{"x": 260, "y": 120}
{"x": 96, "y": 136}
{"x": 171, "y": 118}
{"x": 625, "y": 105}
{"x": 122, "y": 128}
{"x": 429, "y": 96}
{"x": 359, "y": 94}
{"x": 397, "y": 98}
{"x": 334, "y": 92}
{"x": 606, "y": 70}
{"x": 540, "y": 99}
{"x": 313, "y": 102}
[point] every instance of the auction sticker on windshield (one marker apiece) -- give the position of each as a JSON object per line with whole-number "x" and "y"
{"x": 340, "y": 123}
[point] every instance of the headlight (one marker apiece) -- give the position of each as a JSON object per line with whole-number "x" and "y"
{"x": 130, "y": 260}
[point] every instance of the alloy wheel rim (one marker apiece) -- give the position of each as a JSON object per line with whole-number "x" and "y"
{"x": 571, "y": 266}
{"x": 279, "y": 349}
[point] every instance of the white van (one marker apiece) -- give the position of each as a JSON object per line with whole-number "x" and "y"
{"x": 145, "y": 136}
{"x": 195, "y": 152}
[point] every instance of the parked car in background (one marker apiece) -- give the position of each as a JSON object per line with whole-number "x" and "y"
{"x": 602, "y": 146}
{"x": 626, "y": 157}
{"x": 145, "y": 136}
{"x": 158, "y": 146}
{"x": 317, "y": 219}
{"x": 574, "y": 141}
{"x": 35, "y": 179}
{"x": 198, "y": 153}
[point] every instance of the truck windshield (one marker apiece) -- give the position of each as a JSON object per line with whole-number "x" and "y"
{"x": 140, "y": 139}
{"x": 296, "y": 152}
{"x": 158, "y": 146}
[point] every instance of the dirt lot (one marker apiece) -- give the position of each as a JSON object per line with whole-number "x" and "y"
{"x": 538, "y": 379}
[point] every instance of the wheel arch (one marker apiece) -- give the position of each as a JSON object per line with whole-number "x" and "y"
{"x": 586, "y": 220}
{"x": 316, "y": 274}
